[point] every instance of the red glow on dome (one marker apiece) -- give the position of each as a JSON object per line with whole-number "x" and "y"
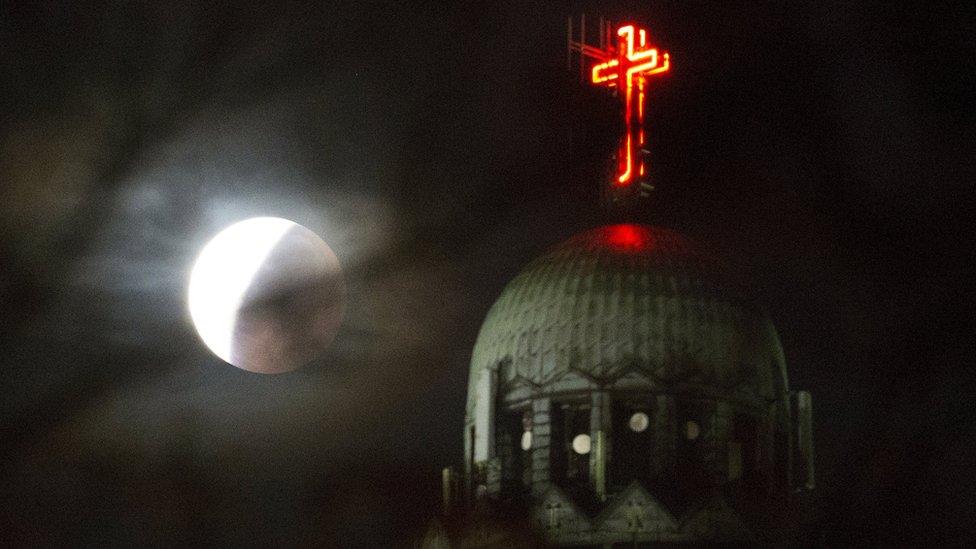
{"x": 628, "y": 237}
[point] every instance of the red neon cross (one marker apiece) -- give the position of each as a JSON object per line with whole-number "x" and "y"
{"x": 633, "y": 66}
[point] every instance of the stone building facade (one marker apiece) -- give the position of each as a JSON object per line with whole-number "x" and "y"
{"x": 623, "y": 389}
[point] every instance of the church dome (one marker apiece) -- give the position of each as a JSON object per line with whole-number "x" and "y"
{"x": 630, "y": 300}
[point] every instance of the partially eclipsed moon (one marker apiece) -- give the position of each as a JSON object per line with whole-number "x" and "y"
{"x": 266, "y": 295}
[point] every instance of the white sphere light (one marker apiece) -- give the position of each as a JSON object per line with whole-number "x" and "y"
{"x": 581, "y": 444}
{"x": 266, "y": 295}
{"x": 639, "y": 422}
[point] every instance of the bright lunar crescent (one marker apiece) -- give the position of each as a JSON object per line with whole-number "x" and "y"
{"x": 266, "y": 295}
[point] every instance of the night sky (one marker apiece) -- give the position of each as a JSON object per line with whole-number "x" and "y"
{"x": 824, "y": 149}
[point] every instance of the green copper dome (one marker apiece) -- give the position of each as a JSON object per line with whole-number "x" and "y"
{"x": 627, "y": 300}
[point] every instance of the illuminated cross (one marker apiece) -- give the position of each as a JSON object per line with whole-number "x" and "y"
{"x": 627, "y": 68}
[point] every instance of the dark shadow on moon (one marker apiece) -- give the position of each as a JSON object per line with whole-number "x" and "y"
{"x": 292, "y": 308}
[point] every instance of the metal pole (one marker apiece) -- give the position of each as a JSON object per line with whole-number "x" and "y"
{"x": 582, "y": 62}
{"x": 602, "y": 35}
{"x": 569, "y": 43}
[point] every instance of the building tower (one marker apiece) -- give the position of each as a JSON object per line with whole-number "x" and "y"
{"x": 625, "y": 389}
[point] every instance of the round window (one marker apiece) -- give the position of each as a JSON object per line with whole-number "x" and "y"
{"x": 692, "y": 430}
{"x": 639, "y": 422}
{"x": 581, "y": 444}
{"x": 527, "y": 440}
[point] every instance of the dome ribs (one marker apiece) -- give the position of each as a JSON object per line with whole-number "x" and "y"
{"x": 625, "y": 297}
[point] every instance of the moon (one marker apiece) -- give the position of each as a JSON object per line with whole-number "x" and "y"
{"x": 266, "y": 295}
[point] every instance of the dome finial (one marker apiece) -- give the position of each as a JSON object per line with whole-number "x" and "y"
{"x": 625, "y": 60}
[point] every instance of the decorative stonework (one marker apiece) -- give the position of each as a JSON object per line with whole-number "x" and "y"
{"x": 557, "y": 516}
{"x": 715, "y": 520}
{"x": 634, "y": 511}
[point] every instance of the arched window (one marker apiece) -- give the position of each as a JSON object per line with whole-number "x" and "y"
{"x": 571, "y": 444}
{"x": 513, "y": 446}
{"x": 632, "y": 455}
{"x": 745, "y": 441}
{"x": 696, "y": 463}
